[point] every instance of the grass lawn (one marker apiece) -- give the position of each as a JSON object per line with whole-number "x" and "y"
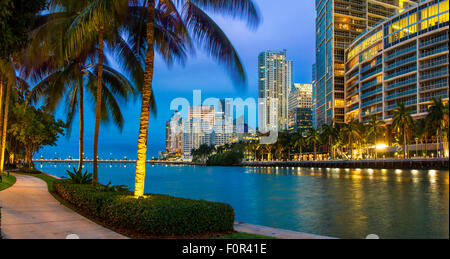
{"x": 50, "y": 180}
{"x": 7, "y": 182}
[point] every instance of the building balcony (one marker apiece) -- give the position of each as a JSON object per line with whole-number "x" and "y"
{"x": 368, "y": 94}
{"x": 379, "y": 99}
{"x": 407, "y": 103}
{"x": 401, "y": 84}
{"x": 400, "y": 63}
{"x": 401, "y": 72}
{"x": 432, "y": 41}
{"x": 400, "y": 53}
{"x": 400, "y": 94}
{"x": 443, "y": 48}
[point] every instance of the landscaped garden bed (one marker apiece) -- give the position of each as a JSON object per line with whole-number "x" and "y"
{"x": 154, "y": 215}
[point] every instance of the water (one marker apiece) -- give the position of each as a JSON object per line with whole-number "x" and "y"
{"x": 333, "y": 202}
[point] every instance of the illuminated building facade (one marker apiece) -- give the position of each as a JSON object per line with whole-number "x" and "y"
{"x": 275, "y": 82}
{"x": 402, "y": 60}
{"x": 338, "y": 24}
{"x": 300, "y": 107}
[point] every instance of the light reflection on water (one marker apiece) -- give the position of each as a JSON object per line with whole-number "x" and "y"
{"x": 345, "y": 203}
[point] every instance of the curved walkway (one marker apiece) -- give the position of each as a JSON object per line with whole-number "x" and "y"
{"x": 29, "y": 211}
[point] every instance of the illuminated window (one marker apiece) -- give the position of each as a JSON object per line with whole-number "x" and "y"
{"x": 443, "y": 6}
{"x": 433, "y": 10}
{"x": 413, "y": 18}
{"x": 433, "y": 21}
{"x": 424, "y": 14}
{"x": 423, "y": 25}
{"x": 443, "y": 18}
{"x": 413, "y": 29}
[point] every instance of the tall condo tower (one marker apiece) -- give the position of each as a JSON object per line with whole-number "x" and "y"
{"x": 275, "y": 82}
{"x": 338, "y": 24}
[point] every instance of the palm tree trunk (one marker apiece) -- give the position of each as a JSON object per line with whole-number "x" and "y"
{"x": 376, "y": 151}
{"x": 315, "y": 152}
{"x": 81, "y": 140}
{"x": 404, "y": 145}
{"x": 441, "y": 148}
{"x": 5, "y": 126}
{"x": 1, "y": 114}
{"x": 98, "y": 107}
{"x": 146, "y": 98}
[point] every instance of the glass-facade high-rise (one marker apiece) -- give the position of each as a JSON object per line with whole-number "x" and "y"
{"x": 404, "y": 60}
{"x": 338, "y": 24}
{"x": 275, "y": 82}
{"x": 313, "y": 110}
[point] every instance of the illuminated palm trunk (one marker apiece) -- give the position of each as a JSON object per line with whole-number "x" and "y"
{"x": 98, "y": 107}
{"x": 5, "y": 126}
{"x": 1, "y": 113}
{"x": 80, "y": 144}
{"x": 145, "y": 106}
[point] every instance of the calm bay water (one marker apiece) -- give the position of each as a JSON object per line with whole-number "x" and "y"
{"x": 333, "y": 202}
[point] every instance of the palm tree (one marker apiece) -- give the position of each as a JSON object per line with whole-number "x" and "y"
{"x": 402, "y": 123}
{"x": 330, "y": 134}
{"x": 79, "y": 22}
{"x": 8, "y": 78}
{"x": 436, "y": 119}
{"x": 421, "y": 131}
{"x": 353, "y": 135}
{"x": 299, "y": 143}
{"x": 314, "y": 139}
{"x": 204, "y": 30}
{"x": 96, "y": 21}
{"x": 375, "y": 127}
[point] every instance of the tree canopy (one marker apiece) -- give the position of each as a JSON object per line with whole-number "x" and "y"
{"x": 16, "y": 19}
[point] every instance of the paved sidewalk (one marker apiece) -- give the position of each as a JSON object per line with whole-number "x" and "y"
{"x": 29, "y": 211}
{"x": 274, "y": 232}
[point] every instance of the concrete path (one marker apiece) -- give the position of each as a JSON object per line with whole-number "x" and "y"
{"x": 274, "y": 232}
{"x": 29, "y": 211}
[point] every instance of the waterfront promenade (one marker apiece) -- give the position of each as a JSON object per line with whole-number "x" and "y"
{"x": 437, "y": 163}
{"x": 416, "y": 163}
{"x": 29, "y": 211}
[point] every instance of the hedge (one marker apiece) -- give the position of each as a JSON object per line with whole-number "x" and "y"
{"x": 155, "y": 215}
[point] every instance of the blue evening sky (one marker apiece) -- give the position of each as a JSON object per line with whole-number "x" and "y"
{"x": 287, "y": 24}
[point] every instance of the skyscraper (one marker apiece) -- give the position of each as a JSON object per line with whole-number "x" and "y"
{"x": 338, "y": 24}
{"x": 404, "y": 60}
{"x": 275, "y": 81}
{"x": 313, "y": 108}
{"x": 300, "y": 107}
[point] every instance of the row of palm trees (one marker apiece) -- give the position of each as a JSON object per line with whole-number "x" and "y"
{"x": 76, "y": 45}
{"x": 354, "y": 139}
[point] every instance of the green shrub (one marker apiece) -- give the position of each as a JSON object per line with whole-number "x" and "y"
{"x": 155, "y": 215}
{"x": 78, "y": 177}
{"x": 227, "y": 158}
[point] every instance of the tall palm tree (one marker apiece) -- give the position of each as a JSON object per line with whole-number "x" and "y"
{"x": 402, "y": 123}
{"x": 375, "y": 128}
{"x": 96, "y": 21}
{"x": 300, "y": 142}
{"x": 8, "y": 78}
{"x": 353, "y": 135}
{"x": 421, "y": 132}
{"x": 82, "y": 26}
{"x": 436, "y": 119}
{"x": 314, "y": 139}
{"x": 330, "y": 135}
{"x": 204, "y": 30}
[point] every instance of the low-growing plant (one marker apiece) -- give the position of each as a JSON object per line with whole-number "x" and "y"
{"x": 154, "y": 215}
{"x": 112, "y": 188}
{"x": 78, "y": 177}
